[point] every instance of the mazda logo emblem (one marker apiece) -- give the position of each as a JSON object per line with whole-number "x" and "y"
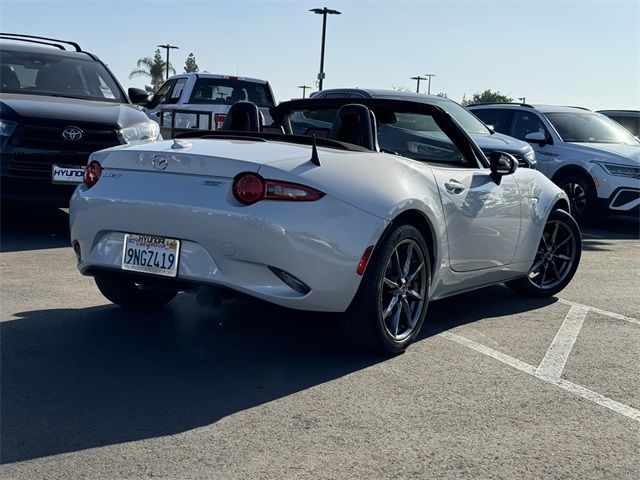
{"x": 73, "y": 134}
{"x": 159, "y": 162}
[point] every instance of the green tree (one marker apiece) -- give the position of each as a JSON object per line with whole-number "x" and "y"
{"x": 190, "y": 64}
{"x": 152, "y": 68}
{"x": 487, "y": 96}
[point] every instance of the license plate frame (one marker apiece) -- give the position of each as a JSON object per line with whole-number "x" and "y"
{"x": 67, "y": 174}
{"x": 150, "y": 254}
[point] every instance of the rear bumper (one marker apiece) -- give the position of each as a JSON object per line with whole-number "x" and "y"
{"x": 319, "y": 243}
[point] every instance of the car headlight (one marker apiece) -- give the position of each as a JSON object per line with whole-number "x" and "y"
{"x": 620, "y": 170}
{"x": 7, "y": 128}
{"x": 145, "y": 132}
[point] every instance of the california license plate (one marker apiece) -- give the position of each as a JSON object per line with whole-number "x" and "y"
{"x": 149, "y": 254}
{"x": 69, "y": 174}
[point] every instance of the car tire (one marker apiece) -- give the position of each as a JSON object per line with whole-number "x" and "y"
{"x": 126, "y": 293}
{"x": 556, "y": 260}
{"x": 582, "y": 197}
{"x": 390, "y": 306}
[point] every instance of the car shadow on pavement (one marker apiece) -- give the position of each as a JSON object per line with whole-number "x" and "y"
{"x": 74, "y": 379}
{"x": 613, "y": 228}
{"x": 33, "y": 229}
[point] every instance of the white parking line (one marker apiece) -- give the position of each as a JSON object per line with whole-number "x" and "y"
{"x": 585, "y": 393}
{"x": 601, "y": 312}
{"x": 558, "y": 353}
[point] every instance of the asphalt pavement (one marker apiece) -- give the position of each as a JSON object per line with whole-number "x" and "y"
{"x": 497, "y": 387}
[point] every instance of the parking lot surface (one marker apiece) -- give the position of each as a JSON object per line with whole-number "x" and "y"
{"x": 497, "y": 386}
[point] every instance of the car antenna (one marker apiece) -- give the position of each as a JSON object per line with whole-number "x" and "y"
{"x": 314, "y": 152}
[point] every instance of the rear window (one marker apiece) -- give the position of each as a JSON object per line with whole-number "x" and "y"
{"x": 36, "y": 73}
{"x": 227, "y": 91}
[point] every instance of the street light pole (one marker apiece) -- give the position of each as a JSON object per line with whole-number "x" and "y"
{"x": 304, "y": 89}
{"x": 429, "y": 86}
{"x": 167, "y": 47}
{"x": 418, "y": 78}
{"x": 323, "y": 11}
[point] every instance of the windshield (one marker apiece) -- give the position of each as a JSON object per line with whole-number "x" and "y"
{"x": 587, "y": 127}
{"x": 36, "y": 73}
{"x": 467, "y": 120}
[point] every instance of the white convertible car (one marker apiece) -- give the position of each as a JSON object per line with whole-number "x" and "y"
{"x": 328, "y": 221}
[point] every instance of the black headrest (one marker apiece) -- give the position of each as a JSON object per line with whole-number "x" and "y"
{"x": 355, "y": 124}
{"x": 243, "y": 117}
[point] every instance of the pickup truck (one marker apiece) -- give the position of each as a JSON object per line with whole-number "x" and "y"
{"x": 201, "y": 101}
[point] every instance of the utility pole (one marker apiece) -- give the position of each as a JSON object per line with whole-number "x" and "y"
{"x": 323, "y": 11}
{"x": 167, "y": 47}
{"x": 304, "y": 89}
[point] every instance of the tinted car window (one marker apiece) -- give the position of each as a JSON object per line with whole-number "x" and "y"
{"x": 226, "y": 91}
{"x": 587, "y": 127}
{"x": 630, "y": 123}
{"x": 499, "y": 118}
{"x": 525, "y": 123}
{"x": 36, "y": 73}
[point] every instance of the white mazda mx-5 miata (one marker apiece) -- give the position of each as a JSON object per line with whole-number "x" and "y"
{"x": 332, "y": 220}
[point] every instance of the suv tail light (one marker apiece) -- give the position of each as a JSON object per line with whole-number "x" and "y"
{"x": 92, "y": 174}
{"x": 218, "y": 120}
{"x": 249, "y": 188}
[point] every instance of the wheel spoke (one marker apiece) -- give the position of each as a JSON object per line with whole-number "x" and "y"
{"x": 555, "y": 271}
{"x": 407, "y": 312}
{"x": 564, "y": 257}
{"x": 543, "y": 241}
{"x": 391, "y": 284}
{"x": 392, "y": 304}
{"x": 414, "y": 294}
{"x": 563, "y": 242}
{"x": 413, "y": 275}
{"x": 396, "y": 263}
{"x": 544, "y": 275}
{"x": 407, "y": 261}
{"x": 395, "y": 321}
{"x": 537, "y": 265}
{"x": 554, "y": 234}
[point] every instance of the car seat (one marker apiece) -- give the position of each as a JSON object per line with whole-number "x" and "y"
{"x": 243, "y": 117}
{"x": 355, "y": 124}
{"x": 8, "y": 78}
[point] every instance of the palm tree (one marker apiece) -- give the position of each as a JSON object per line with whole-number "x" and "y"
{"x": 153, "y": 68}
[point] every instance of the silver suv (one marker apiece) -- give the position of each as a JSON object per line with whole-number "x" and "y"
{"x": 593, "y": 159}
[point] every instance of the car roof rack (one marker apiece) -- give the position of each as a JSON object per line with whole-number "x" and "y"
{"x": 54, "y": 42}
{"x": 581, "y": 108}
{"x": 501, "y": 103}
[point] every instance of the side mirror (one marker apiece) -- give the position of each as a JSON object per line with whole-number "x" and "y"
{"x": 536, "y": 137}
{"x": 138, "y": 96}
{"x": 502, "y": 164}
{"x": 492, "y": 128}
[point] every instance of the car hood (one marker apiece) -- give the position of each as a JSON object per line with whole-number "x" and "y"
{"x": 16, "y": 106}
{"x": 617, "y": 152}
{"x": 503, "y": 143}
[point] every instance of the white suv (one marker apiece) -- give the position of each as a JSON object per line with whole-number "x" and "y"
{"x": 593, "y": 159}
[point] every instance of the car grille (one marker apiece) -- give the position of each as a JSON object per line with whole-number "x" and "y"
{"x": 47, "y": 135}
{"x": 37, "y": 144}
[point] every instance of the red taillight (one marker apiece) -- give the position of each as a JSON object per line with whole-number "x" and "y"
{"x": 218, "y": 120}
{"x": 362, "y": 265}
{"x": 248, "y": 188}
{"x": 92, "y": 174}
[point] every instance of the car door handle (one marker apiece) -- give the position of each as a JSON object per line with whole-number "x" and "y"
{"x": 454, "y": 186}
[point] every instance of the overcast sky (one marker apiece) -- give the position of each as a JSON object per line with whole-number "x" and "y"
{"x": 584, "y": 53}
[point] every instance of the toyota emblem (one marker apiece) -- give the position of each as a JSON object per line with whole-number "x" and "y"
{"x": 159, "y": 162}
{"x": 73, "y": 134}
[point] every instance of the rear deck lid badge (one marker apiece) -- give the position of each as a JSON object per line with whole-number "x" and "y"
{"x": 159, "y": 162}
{"x": 73, "y": 134}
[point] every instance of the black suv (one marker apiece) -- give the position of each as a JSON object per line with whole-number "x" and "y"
{"x": 57, "y": 106}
